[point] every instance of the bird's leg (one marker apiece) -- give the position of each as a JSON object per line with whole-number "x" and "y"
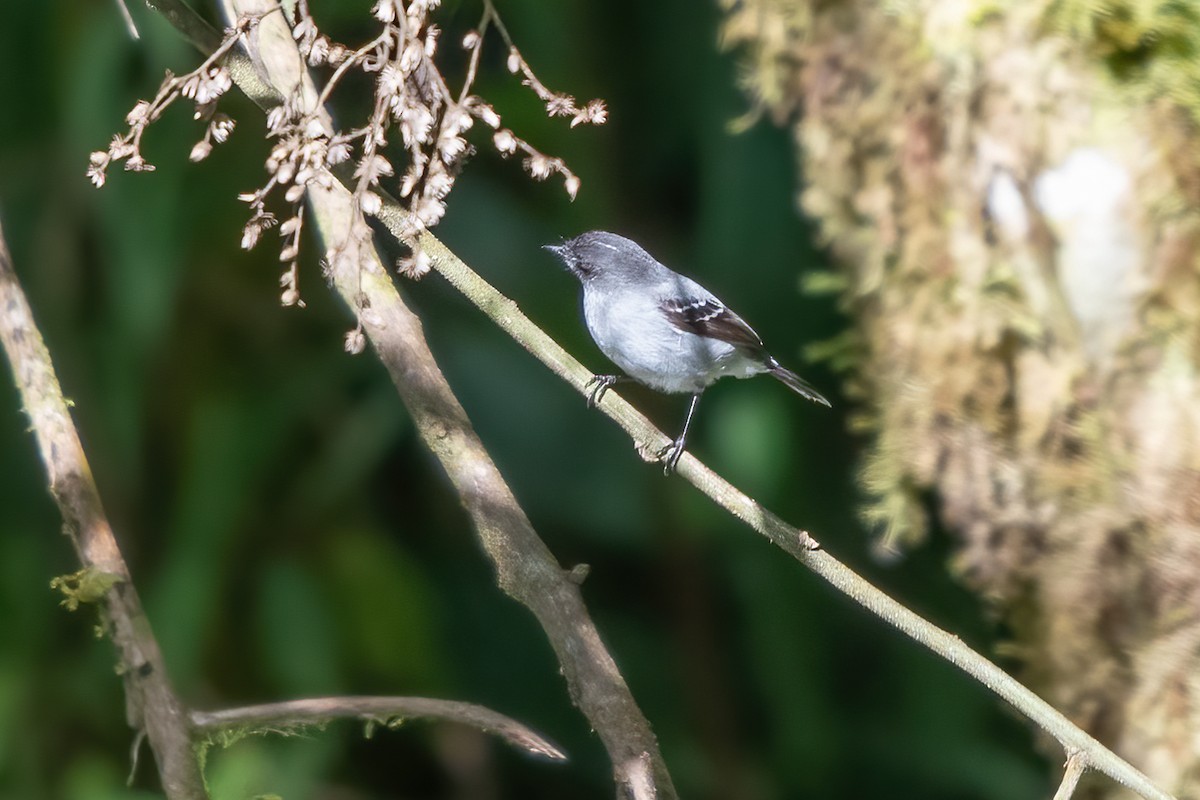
{"x": 670, "y": 454}
{"x": 601, "y": 384}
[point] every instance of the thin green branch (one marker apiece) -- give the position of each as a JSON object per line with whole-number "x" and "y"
{"x": 648, "y": 439}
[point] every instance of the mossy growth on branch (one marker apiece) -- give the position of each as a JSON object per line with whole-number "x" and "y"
{"x": 1147, "y": 46}
{"x": 88, "y": 585}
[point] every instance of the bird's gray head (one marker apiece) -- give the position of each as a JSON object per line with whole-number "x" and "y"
{"x": 599, "y": 253}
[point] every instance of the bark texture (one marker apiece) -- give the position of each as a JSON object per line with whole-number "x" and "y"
{"x": 1012, "y": 195}
{"x": 152, "y": 707}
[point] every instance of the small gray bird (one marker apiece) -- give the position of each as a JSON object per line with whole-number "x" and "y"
{"x": 663, "y": 329}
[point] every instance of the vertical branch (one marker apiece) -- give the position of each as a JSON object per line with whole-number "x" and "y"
{"x": 526, "y": 569}
{"x": 151, "y": 704}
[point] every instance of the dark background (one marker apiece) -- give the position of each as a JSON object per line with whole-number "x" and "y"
{"x": 291, "y": 537}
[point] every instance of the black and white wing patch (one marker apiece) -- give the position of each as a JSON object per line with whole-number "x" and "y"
{"x": 708, "y": 317}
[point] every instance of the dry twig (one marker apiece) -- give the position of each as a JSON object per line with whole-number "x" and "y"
{"x": 151, "y": 705}
{"x": 1072, "y": 772}
{"x": 390, "y": 712}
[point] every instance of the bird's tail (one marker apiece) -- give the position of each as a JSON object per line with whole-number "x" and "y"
{"x": 795, "y": 383}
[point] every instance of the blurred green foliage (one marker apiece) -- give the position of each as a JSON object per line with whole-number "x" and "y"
{"x": 291, "y": 537}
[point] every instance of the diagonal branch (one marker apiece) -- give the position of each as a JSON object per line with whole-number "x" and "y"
{"x": 526, "y": 569}
{"x": 151, "y": 705}
{"x": 797, "y": 543}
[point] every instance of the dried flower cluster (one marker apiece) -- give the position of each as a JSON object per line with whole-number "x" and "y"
{"x": 413, "y": 109}
{"x": 203, "y": 86}
{"x": 412, "y": 97}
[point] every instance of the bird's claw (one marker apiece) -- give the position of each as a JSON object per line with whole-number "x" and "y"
{"x": 600, "y": 385}
{"x": 670, "y": 455}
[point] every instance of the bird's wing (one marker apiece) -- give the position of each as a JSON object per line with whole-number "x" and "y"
{"x": 707, "y": 316}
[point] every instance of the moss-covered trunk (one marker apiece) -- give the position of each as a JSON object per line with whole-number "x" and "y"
{"x": 1013, "y": 196}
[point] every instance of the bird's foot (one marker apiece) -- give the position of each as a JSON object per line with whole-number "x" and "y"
{"x": 599, "y": 385}
{"x": 670, "y": 455}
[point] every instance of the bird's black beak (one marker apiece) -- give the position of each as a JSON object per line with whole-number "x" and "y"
{"x": 563, "y": 251}
{"x": 567, "y": 255}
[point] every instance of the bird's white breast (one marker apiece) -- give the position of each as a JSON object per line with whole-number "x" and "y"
{"x": 632, "y": 331}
